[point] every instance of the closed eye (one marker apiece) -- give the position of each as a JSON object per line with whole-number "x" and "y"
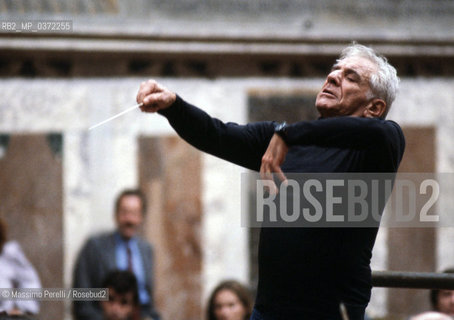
{"x": 352, "y": 75}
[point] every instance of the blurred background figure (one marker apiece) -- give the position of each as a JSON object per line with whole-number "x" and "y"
{"x": 443, "y": 300}
{"x": 16, "y": 272}
{"x": 230, "y": 300}
{"x": 121, "y": 249}
{"x": 123, "y": 303}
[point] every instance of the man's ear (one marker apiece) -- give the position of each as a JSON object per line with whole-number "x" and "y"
{"x": 375, "y": 109}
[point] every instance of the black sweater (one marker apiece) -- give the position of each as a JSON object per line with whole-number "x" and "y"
{"x": 304, "y": 273}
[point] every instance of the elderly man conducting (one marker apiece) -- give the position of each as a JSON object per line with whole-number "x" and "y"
{"x": 307, "y": 273}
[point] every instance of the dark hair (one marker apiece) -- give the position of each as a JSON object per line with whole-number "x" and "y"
{"x": 434, "y": 292}
{"x": 2, "y": 233}
{"x": 238, "y": 289}
{"x": 123, "y": 282}
{"x": 132, "y": 192}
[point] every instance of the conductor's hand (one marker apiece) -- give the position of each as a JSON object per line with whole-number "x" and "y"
{"x": 272, "y": 159}
{"x": 154, "y": 96}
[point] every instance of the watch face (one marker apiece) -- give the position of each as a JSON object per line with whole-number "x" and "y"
{"x": 280, "y": 127}
{"x": 281, "y": 131}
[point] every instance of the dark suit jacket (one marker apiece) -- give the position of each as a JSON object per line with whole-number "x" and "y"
{"x": 95, "y": 261}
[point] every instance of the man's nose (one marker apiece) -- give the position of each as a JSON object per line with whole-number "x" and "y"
{"x": 334, "y": 77}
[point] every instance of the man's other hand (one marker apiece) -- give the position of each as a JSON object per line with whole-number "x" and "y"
{"x": 154, "y": 96}
{"x": 272, "y": 159}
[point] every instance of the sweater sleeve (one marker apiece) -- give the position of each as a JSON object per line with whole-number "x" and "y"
{"x": 350, "y": 132}
{"x": 243, "y": 145}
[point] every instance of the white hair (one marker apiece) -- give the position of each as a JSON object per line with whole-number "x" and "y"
{"x": 384, "y": 83}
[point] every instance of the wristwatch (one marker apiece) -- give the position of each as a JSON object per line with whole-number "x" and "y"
{"x": 281, "y": 130}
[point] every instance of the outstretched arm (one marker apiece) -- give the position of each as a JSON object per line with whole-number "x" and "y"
{"x": 240, "y": 144}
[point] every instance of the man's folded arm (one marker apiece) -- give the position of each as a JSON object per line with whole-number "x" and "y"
{"x": 348, "y": 132}
{"x": 243, "y": 145}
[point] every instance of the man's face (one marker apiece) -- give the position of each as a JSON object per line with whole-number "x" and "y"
{"x": 119, "y": 306}
{"x": 346, "y": 91}
{"x": 446, "y": 302}
{"x": 129, "y": 216}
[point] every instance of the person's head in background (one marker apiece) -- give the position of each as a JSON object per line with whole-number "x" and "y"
{"x": 230, "y": 300}
{"x": 443, "y": 300}
{"x": 123, "y": 303}
{"x": 130, "y": 208}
